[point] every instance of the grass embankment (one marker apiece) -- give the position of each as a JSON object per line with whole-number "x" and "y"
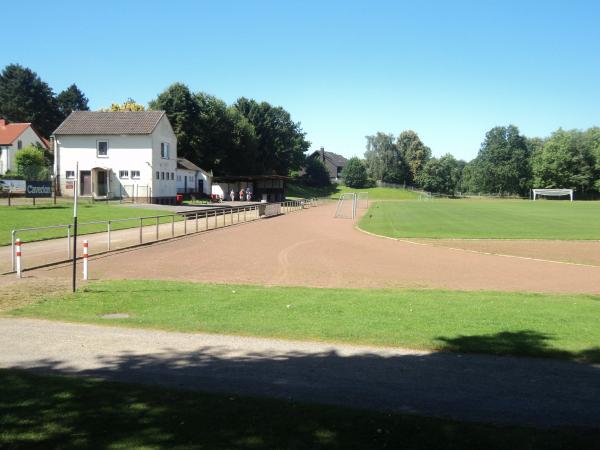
{"x": 64, "y": 412}
{"x": 61, "y": 214}
{"x": 561, "y": 326}
{"x": 335, "y": 190}
{"x": 487, "y": 219}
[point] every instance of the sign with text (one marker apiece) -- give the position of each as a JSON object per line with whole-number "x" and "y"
{"x": 38, "y": 189}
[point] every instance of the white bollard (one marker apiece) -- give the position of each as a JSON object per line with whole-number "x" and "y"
{"x": 85, "y": 259}
{"x": 18, "y": 255}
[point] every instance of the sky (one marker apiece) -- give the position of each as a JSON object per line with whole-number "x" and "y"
{"x": 449, "y": 70}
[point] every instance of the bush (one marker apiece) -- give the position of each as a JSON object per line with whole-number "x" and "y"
{"x": 316, "y": 173}
{"x": 31, "y": 164}
{"x": 355, "y": 174}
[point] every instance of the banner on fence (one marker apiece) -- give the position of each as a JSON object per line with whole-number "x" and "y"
{"x": 12, "y": 186}
{"x": 38, "y": 189}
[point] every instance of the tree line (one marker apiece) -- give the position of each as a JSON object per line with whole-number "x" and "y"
{"x": 245, "y": 138}
{"x": 507, "y": 163}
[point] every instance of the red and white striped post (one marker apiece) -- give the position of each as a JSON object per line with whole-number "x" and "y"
{"x": 85, "y": 259}
{"x": 18, "y": 255}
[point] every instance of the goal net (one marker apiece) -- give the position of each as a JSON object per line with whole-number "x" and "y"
{"x": 553, "y": 193}
{"x": 346, "y": 207}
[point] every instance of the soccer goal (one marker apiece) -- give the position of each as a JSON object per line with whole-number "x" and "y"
{"x": 553, "y": 193}
{"x": 346, "y": 207}
{"x": 363, "y": 200}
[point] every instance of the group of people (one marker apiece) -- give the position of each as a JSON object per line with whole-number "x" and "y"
{"x": 245, "y": 194}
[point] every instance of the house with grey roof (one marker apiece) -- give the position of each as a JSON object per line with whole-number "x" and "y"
{"x": 103, "y": 155}
{"x": 333, "y": 162}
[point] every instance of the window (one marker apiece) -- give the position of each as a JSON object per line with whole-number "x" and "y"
{"x": 19, "y": 145}
{"x": 162, "y": 175}
{"x": 102, "y": 149}
{"x": 157, "y": 175}
{"x": 123, "y": 174}
{"x": 135, "y": 174}
{"x": 190, "y": 178}
{"x": 172, "y": 176}
{"x": 178, "y": 177}
{"x": 70, "y": 174}
{"x": 164, "y": 150}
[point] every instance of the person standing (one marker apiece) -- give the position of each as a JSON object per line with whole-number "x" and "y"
{"x": 232, "y": 195}
{"x": 248, "y": 195}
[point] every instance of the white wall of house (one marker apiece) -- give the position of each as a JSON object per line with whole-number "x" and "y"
{"x": 126, "y": 154}
{"x": 186, "y": 180}
{"x": 8, "y": 156}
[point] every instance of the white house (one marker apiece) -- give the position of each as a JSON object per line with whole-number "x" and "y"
{"x": 14, "y": 137}
{"x": 120, "y": 154}
{"x": 191, "y": 178}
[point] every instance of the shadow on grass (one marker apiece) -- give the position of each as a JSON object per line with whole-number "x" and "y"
{"x": 518, "y": 343}
{"x": 74, "y": 412}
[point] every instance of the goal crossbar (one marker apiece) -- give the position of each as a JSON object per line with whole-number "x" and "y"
{"x": 553, "y": 193}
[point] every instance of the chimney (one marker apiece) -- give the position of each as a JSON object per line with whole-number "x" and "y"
{"x": 2, "y": 123}
{"x": 323, "y": 153}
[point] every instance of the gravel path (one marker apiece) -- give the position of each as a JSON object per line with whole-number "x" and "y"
{"x": 503, "y": 390}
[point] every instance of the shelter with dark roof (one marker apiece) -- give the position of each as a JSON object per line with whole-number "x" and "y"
{"x": 333, "y": 162}
{"x": 14, "y": 137}
{"x": 131, "y": 154}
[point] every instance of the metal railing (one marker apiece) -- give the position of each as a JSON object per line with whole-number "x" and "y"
{"x": 298, "y": 205}
{"x": 202, "y": 221}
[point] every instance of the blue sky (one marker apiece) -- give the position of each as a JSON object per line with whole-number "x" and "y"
{"x": 450, "y": 70}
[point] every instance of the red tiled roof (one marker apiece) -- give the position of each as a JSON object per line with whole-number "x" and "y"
{"x": 11, "y": 131}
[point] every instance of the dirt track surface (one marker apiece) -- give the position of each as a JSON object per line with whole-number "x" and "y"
{"x": 311, "y": 248}
{"x": 579, "y": 252}
{"x": 506, "y": 390}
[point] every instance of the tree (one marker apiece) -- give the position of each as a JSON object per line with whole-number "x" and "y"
{"x": 565, "y": 161}
{"x": 24, "y": 97}
{"x": 440, "y": 175}
{"x": 31, "y": 163}
{"x": 355, "y": 174}
{"x": 414, "y": 153}
{"x": 281, "y": 142}
{"x": 383, "y": 159}
{"x": 72, "y": 99}
{"x": 127, "y": 105}
{"x": 316, "y": 173}
{"x": 503, "y": 163}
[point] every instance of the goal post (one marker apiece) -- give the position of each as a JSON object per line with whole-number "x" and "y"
{"x": 346, "y": 207}
{"x": 552, "y": 193}
{"x": 362, "y": 200}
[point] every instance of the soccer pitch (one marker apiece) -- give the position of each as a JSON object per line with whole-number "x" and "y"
{"x": 484, "y": 219}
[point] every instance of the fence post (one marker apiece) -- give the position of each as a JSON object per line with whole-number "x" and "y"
{"x": 18, "y": 255}
{"x": 172, "y": 226}
{"x": 12, "y": 248}
{"x": 215, "y": 219}
{"x": 69, "y": 241}
{"x": 85, "y": 259}
{"x": 196, "y": 222}
{"x": 108, "y": 229}
{"x": 184, "y": 225}
{"x": 141, "y": 220}
{"x": 157, "y": 220}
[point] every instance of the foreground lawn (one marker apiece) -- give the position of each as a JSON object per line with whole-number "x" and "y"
{"x": 62, "y": 214}
{"x": 335, "y": 190}
{"x": 64, "y": 412}
{"x": 561, "y": 326}
{"x": 489, "y": 219}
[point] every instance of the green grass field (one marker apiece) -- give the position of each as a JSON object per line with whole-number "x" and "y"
{"x": 38, "y": 411}
{"x": 488, "y": 219}
{"x": 37, "y": 216}
{"x": 335, "y": 190}
{"x": 561, "y": 326}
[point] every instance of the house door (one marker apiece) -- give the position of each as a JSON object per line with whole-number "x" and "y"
{"x": 101, "y": 187}
{"x": 85, "y": 182}
{"x": 200, "y": 186}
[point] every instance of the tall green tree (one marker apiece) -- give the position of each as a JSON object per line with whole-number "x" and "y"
{"x": 414, "y": 153}
{"x": 128, "y": 105}
{"x": 565, "y": 161}
{"x": 316, "y": 173}
{"x": 31, "y": 164}
{"x": 24, "y": 97}
{"x": 440, "y": 175}
{"x": 384, "y": 161}
{"x": 72, "y": 99}
{"x": 502, "y": 165}
{"x": 281, "y": 142}
{"x": 355, "y": 173}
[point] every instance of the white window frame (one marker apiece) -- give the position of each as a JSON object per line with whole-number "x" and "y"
{"x": 135, "y": 175}
{"x": 70, "y": 174}
{"x": 98, "y": 155}
{"x": 164, "y": 146}
{"x": 123, "y": 173}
